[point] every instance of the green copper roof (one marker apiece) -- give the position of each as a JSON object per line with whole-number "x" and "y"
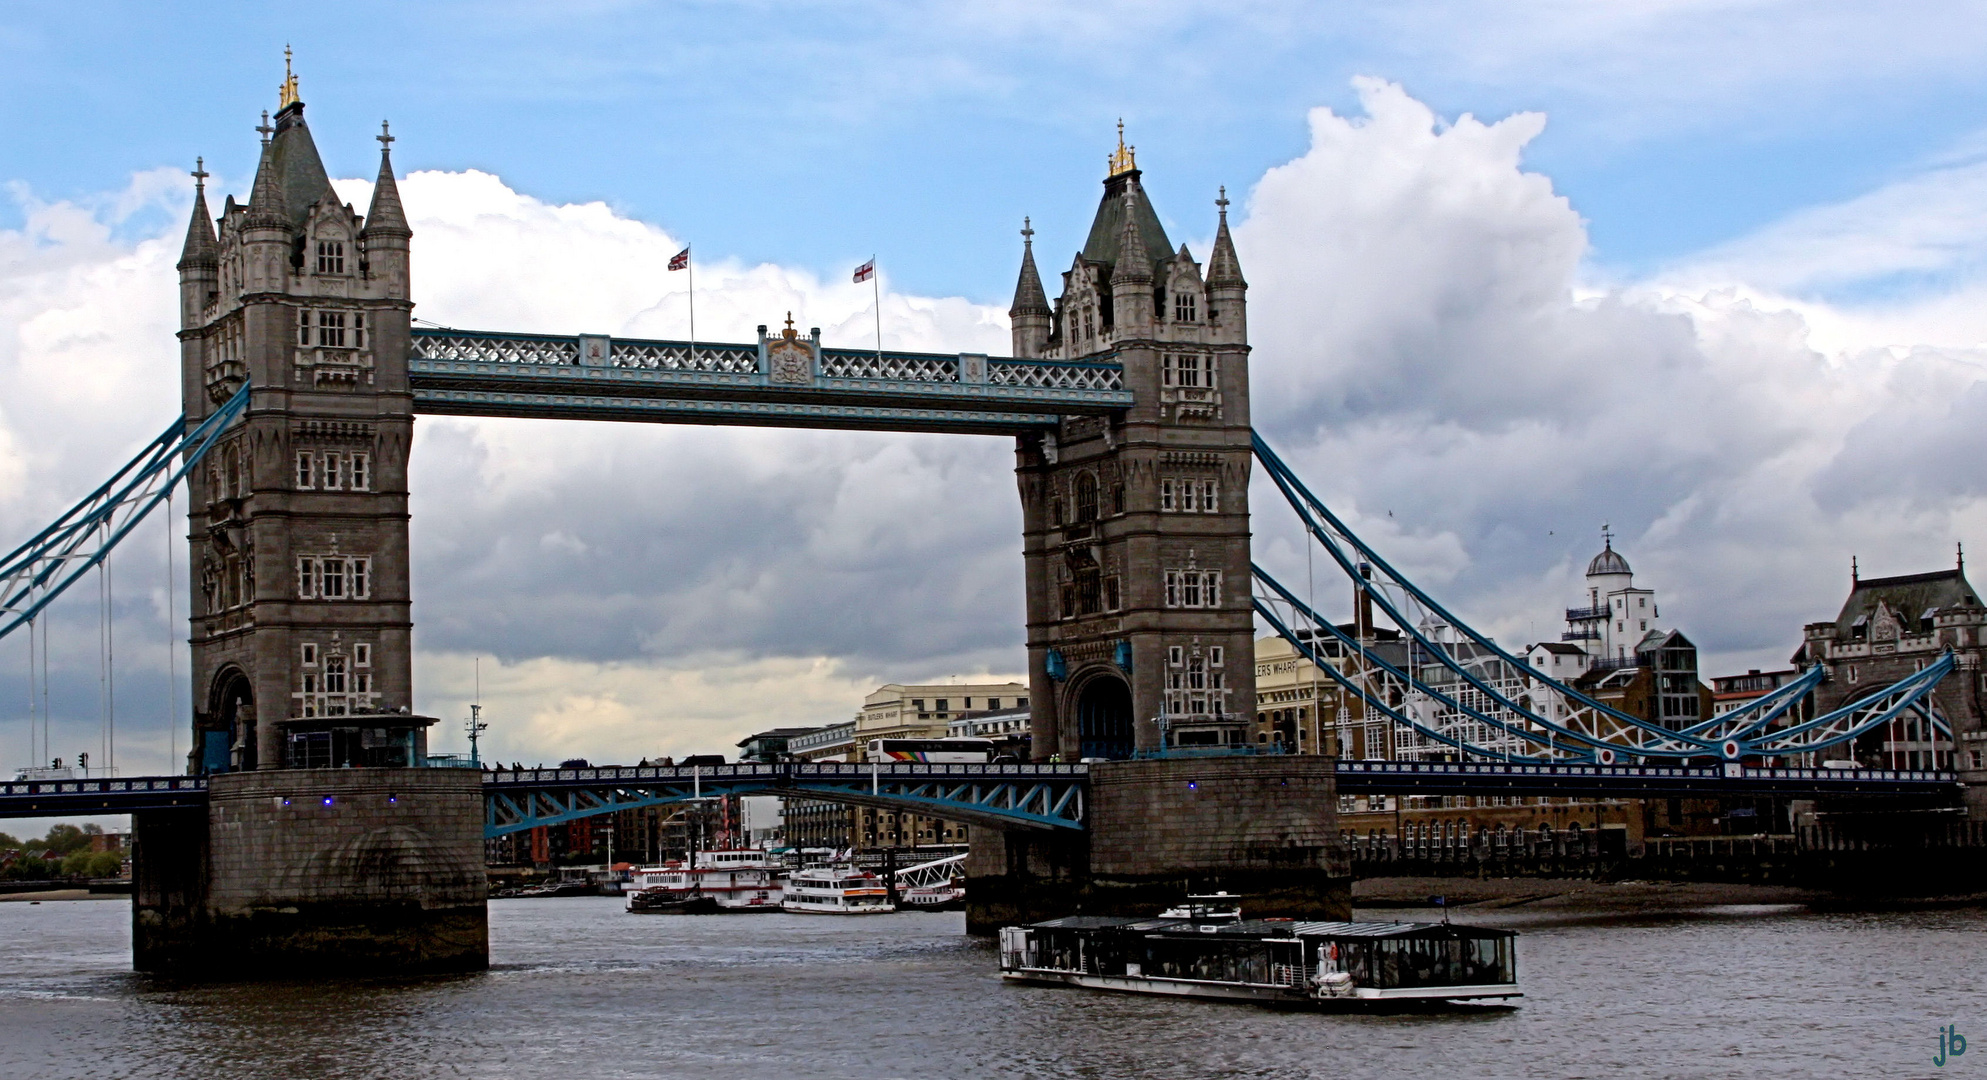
{"x": 298, "y": 172}
{"x": 1102, "y": 246}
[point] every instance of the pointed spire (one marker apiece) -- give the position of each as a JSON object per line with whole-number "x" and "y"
{"x": 201, "y": 250}
{"x": 385, "y": 216}
{"x": 1224, "y": 270}
{"x": 1029, "y": 297}
{"x": 266, "y": 206}
{"x": 1134, "y": 264}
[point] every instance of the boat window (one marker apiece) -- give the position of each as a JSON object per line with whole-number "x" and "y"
{"x": 1402, "y": 963}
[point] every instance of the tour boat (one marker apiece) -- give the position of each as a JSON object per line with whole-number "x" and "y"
{"x": 718, "y": 882}
{"x": 837, "y": 890}
{"x": 937, "y": 885}
{"x": 1207, "y": 907}
{"x": 949, "y": 896}
{"x": 1324, "y": 965}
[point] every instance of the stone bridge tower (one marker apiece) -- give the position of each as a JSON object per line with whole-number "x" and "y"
{"x": 297, "y": 522}
{"x": 1136, "y": 527}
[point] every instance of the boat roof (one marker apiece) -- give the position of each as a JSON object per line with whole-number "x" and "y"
{"x": 1261, "y": 928}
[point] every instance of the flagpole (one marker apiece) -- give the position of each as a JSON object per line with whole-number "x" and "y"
{"x": 690, "y": 265}
{"x": 876, "y": 291}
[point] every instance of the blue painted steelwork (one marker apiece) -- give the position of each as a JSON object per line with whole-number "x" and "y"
{"x": 481, "y": 373}
{"x": 1045, "y": 797}
{"x": 1629, "y": 781}
{"x": 122, "y": 795}
{"x": 34, "y": 574}
{"x": 1595, "y": 731}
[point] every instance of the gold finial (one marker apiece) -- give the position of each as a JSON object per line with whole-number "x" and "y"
{"x": 1125, "y": 159}
{"x": 287, "y": 95}
{"x": 790, "y": 333}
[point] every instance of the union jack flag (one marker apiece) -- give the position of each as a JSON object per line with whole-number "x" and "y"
{"x": 680, "y": 260}
{"x": 865, "y": 271}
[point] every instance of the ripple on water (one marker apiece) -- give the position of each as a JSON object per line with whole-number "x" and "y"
{"x": 579, "y": 987}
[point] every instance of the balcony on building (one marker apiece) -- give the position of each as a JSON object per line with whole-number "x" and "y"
{"x": 362, "y": 741}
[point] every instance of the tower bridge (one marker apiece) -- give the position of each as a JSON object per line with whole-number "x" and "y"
{"x": 1128, "y": 400}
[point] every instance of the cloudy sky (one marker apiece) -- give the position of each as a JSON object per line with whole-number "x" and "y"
{"x": 1707, "y": 270}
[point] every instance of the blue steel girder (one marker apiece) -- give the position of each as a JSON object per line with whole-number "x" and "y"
{"x": 480, "y": 373}
{"x": 1357, "y": 777}
{"x": 1005, "y": 796}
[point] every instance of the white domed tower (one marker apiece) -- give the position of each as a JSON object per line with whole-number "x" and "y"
{"x": 1616, "y": 615}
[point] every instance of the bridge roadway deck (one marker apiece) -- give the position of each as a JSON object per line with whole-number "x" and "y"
{"x": 1040, "y": 796}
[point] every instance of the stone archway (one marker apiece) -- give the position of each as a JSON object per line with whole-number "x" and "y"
{"x": 1104, "y": 717}
{"x": 228, "y": 740}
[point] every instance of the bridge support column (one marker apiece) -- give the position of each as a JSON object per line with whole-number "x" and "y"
{"x": 1265, "y": 828}
{"x": 315, "y": 871}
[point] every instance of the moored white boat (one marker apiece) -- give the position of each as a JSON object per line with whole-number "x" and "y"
{"x": 719, "y": 882}
{"x": 837, "y": 890}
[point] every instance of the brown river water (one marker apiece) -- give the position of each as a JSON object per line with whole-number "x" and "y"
{"x": 580, "y": 990}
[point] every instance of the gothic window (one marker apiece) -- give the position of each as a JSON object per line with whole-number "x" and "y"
{"x": 334, "y": 577}
{"x": 309, "y": 654}
{"x": 303, "y": 327}
{"x": 358, "y": 329}
{"x": 1117, "y": 498}
{"x": 1186, "y": 370}
{"x": 1086, "y": 497}
{"x": 1190, "y": 496}
{"x": 1089, "y": 325}
{"x": 331, "y": 256}
{"x": 331, "y": 329}
{"x": 1055, "y": 513}
{"x": 334, "y": 675}
{"x": 232, "y": 475}
{"x": 1184, "y": 307}
{"x": 334, "y": 470}
{"x": 1193, "y": 588}
{"x": 1088, "y": 591}
{"x": 362, "y": 655}
{"x": 1111, "y": 597}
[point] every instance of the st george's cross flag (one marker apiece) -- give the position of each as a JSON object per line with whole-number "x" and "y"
{"x": 680, "y": 260}
{"x": 865, "y": 271}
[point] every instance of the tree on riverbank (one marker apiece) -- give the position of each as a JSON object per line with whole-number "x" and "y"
{"x": 63, "y": 852}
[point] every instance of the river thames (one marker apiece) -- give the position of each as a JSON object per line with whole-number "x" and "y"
{"x": 578, "y": 988}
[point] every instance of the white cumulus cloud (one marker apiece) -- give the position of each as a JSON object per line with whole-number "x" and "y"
{"x": 1427, "y": 353}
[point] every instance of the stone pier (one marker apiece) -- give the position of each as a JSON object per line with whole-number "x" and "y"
{"x": 296, "y": 872}
{"x": 1265, "y": 828}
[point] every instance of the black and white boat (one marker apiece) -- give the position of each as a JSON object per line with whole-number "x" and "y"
{"x": 1329, "y": 965}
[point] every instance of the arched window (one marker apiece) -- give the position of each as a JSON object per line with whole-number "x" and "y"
{"x": 1086, "y": 497}
{"x": 1184, "y": 307}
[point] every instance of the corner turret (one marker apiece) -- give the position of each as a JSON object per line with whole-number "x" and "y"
{"x": 1131, "y": 276}
{"x": 199, "y": 260}
{"x": 1227, "y": 306}
{"x": 386, "y": 234}
{"x": 1030, "y": 317}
